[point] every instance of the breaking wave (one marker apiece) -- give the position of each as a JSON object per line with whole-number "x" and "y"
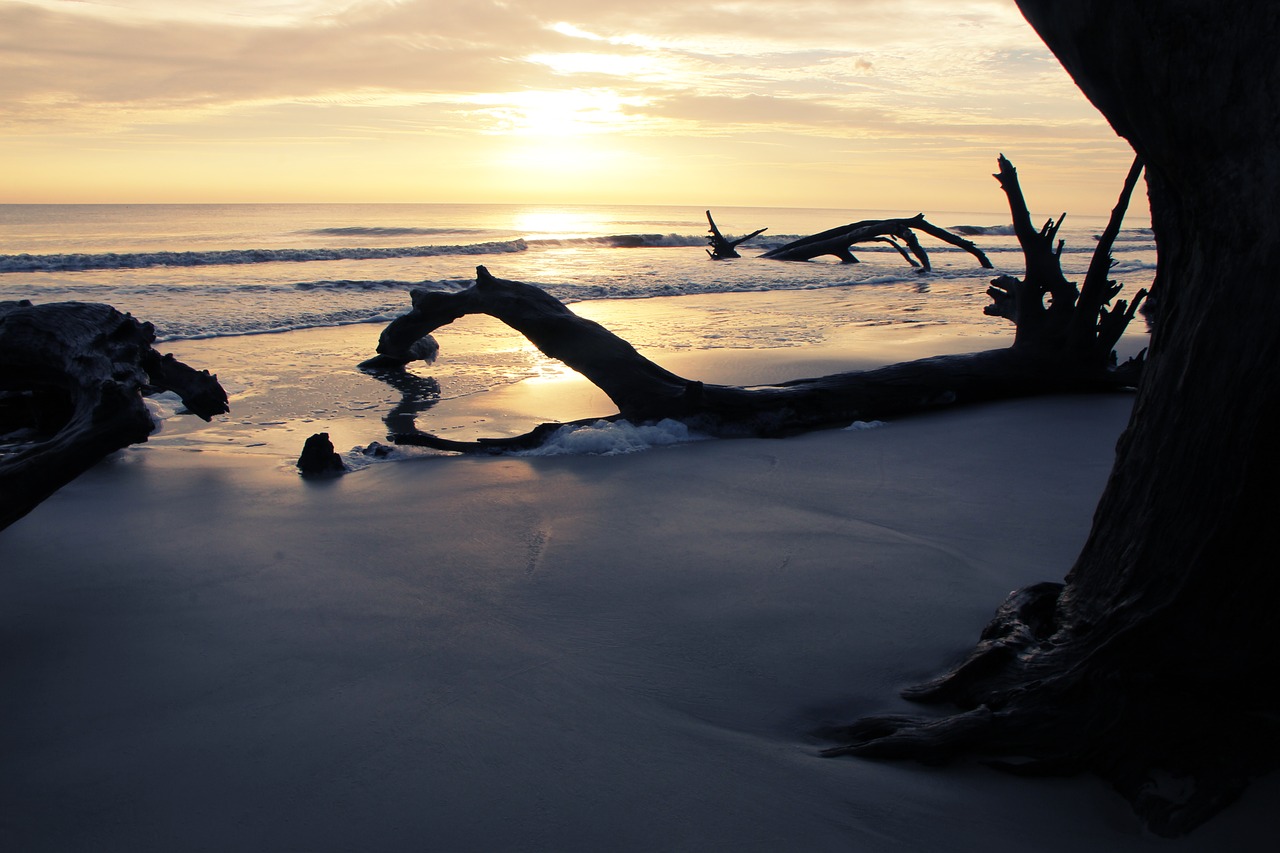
{"x": 388, "y": 231}
{"x": 624, "y": 241}
{"x": 983, "y": 230}
{"x": 228, "y": 257}
{"x": 235, "y": 257}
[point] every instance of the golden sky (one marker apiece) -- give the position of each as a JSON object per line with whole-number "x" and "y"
{"x": 892, "y": 104}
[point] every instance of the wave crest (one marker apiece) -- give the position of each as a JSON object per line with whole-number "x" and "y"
{"x": 980, "y": 230}
{"x": 623, "y": 241}
{"x": 387, "y": 231}
{"x": 231, "y": 257}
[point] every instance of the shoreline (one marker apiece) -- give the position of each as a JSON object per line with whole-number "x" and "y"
{"x": 489, "y": 381}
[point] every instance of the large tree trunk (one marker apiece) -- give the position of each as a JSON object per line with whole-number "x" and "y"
{"x": 1149, "y": 665}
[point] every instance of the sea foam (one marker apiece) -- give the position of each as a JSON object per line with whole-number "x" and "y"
{"x": 612, "y": 438}
{"x": 235, "y": 257}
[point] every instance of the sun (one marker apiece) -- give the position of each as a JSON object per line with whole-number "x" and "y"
{"x": 555, "y": 113}
{"x": 560, "y": 143}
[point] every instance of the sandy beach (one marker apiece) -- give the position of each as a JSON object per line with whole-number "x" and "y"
{"x": 634, "y": 638}
{"x": 204, "y": 651}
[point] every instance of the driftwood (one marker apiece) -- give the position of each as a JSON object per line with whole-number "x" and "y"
{"x": 72, "y": 377}
{"x": 839, "y": 241}
{"x": 318, "y": 458}
{"x": 1057, "y": 352}
{"x": 722, "y": 247}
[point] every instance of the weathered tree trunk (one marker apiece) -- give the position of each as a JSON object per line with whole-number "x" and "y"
{"x": 1059, "y": 352}
{"x": 72, "y": 376}
{"x": 839, "y": 241}
{"x": 1149, "y": 665}
{"x": 722, "y": 248}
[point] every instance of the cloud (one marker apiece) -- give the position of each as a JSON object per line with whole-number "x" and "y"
{"x": 51, "y": 60}
{"x": 153, "y": 73}
{"x": 722, "y": 111}
{"x": 56, "y": 58}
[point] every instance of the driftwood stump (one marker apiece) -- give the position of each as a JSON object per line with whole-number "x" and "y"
{"x": 722, "y": 247}
{"x": 72, "y": 378}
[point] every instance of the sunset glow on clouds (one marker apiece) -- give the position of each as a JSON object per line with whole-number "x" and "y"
{"x": 830, "y": 103}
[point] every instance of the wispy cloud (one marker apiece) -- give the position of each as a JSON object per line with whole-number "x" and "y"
{"x": 656, "y": 73}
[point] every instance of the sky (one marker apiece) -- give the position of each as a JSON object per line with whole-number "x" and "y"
{"x": 901, "y": 105}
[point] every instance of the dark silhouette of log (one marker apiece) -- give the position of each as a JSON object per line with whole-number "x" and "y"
{"x": 1039, "y": 362}
{"x": 839, "y": 241}
{"x": 72, "y": 376}
{"x": 722, "y": 247}
{"x": 1148, "y": 666}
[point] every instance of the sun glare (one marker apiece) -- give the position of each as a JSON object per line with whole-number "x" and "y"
{"x": 567, "y": 29}
{"x": 554, "y": 222}
{"x": 570, "y": 112}
{"x": 560, "y": 168}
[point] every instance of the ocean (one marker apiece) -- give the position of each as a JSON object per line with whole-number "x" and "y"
{"x": 199, "y": 271}
{"x": 224, "y": 283}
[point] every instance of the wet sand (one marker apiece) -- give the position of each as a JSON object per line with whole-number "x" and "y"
{"x": 204, "y": 651}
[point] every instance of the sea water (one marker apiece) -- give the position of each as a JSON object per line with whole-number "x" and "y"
{"x": 209, "y": 276}
{"x": 198, "y": 271}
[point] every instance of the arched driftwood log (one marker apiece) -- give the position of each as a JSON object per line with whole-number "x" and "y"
{"x": 839, "y": 241}
{"x": 1149, "y": 666}
{"x": 72, "y": 376}
{"x": 1056, "y": 352}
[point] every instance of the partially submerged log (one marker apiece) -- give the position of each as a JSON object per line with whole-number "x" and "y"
{"x": 839, "y": 241}
{"x": 72, "y": 378}
{"x": 1057, "y": 353}
{"x": 722, "y": 247}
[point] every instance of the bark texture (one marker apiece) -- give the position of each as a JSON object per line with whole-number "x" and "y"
{"x": 1143, "y": 666}
{"x": 72, "y": 376}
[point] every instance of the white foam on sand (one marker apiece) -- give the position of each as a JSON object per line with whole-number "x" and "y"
{"x": 611, "y": 438}
{"x": 200, "y": 651}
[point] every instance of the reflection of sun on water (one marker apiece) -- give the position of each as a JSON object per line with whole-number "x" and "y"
{"x": 552, "y": 222}
{"x": 548, "y": 371}
{"x": 542, "y": 369}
